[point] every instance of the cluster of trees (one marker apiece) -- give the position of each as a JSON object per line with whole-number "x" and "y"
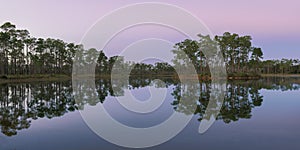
{"x": 22, "y": 103}
{"x": 283, "y": 66}
{"x": 22, "y": 54}
{"x": 238, "y": 53}
{"x": 241, "y": 58}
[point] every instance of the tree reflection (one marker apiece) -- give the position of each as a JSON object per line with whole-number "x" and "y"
{"x": 22, "y": 103}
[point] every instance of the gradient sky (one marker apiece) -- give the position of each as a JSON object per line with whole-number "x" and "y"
{"x": 273, "y": 24}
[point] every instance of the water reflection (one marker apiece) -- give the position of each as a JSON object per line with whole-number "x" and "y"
{"x": 22, "y": 103}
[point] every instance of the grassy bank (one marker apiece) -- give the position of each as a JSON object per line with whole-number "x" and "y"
{"x": 62, "y": 77}
{"x": 33, "y": 78}
{"x": 280, "y": 75}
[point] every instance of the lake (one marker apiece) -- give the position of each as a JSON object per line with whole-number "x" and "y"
{"x": 255, "y": 114}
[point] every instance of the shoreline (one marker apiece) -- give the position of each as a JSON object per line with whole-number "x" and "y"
{"x": 52, "y": 78}
{"x": 280, "y": 75}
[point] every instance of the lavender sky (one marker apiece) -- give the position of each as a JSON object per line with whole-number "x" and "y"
{"x": 273, "y": 24}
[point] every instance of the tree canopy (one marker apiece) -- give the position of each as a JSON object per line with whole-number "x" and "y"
{"x": 22, "y": 54}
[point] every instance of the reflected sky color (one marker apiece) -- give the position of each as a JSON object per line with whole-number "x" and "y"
{"x": 274, "y": 25}
{"x": 273, "y": 125}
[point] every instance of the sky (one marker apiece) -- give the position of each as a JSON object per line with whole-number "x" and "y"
{"x": 273, "y": 24}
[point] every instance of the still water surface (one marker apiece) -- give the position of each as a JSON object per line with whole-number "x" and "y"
{"x": 260, "y": 114}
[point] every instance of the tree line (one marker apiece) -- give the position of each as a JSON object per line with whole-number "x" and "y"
{"x": 22, "y": 54}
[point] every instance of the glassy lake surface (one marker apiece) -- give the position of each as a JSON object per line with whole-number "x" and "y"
{"x": 260, "y": 114}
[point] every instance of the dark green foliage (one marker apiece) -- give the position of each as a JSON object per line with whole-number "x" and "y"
{"x": 22, "y": 54}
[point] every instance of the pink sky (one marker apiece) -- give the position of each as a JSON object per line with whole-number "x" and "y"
{"x": 273, "y": 24}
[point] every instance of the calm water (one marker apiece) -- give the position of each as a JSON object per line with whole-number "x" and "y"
{"x": 262, "y": 114}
